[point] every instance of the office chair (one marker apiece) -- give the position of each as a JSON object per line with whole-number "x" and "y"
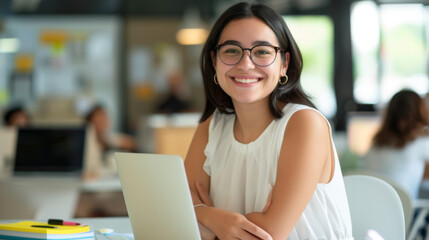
{"x": 409, "y": 205}
{"x": 374, "y": 205}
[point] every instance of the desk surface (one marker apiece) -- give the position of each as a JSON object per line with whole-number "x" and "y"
{"x": 118, "y": 224}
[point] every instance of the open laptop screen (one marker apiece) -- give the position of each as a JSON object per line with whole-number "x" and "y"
{"x": 50, "y": 151}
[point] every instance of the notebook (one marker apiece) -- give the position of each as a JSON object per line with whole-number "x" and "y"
{"x": 157, "y": 196}
{"x": 31, "y": 230}
{"x": 46, "y": 151}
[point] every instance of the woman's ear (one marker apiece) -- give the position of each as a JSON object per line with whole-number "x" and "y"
{"x": 285, "y": 64}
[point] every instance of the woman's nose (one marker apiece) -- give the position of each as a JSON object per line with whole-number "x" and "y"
{"x": 246, "y": 61}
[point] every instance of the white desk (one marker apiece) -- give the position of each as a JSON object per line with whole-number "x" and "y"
{"x": 118, "y": 224}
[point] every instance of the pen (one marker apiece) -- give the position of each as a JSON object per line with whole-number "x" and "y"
{"x": 61, "y": 222}
{"x": 43, "y": 226}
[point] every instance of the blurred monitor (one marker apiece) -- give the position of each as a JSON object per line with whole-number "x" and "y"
{"x": 361, "y": 129}
{"x": 46, "y": 151}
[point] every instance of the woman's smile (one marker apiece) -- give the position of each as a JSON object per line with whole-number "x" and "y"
{"x": 246, "y": 80}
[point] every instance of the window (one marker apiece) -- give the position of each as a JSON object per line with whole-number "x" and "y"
{"x": 389, "y": 50}
{"x": 314, "y": 36}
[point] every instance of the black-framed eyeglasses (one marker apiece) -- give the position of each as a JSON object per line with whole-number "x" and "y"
{"x": 261, "y": 55}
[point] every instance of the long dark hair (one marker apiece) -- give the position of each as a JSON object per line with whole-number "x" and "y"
{"x": 405, "y": 119}
{"x": 290, "y": 92}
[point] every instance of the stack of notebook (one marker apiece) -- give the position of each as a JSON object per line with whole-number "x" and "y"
{"x": 29, "y": 230}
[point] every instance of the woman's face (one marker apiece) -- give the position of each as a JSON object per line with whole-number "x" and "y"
{"x": 19, "y": 119}
{"x": 246, "y": 82}
{"x": 100, "y": 121}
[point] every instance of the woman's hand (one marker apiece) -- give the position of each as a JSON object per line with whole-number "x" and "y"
{"x": 205, "y": 233}
{"x": 230, "y": 225}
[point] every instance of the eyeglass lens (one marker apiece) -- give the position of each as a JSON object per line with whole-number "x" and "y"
{"x": 231, "y": 54}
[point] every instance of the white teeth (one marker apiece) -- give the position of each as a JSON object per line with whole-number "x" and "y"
{"x": 246, "y": 80}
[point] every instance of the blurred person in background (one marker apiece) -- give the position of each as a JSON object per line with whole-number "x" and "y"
{"x": 98, "y": 118}
{"x": 175, "y": 102}
{"x": 400, "y": 148}
{"x": 16, "y": 116}
{"x": 103, "y": 204}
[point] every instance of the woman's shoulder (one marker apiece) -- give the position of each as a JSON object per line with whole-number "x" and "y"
{"x": 301, "y": 118}
{"x": 308, "y": 119}
{"x": 292, "y": 108}
{"x": 302, "y": 113}
{"x": 295, "y": 107}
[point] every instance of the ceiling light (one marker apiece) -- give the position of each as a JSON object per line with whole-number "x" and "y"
{"x": 191, "y": 36}
{"x": 192, "y": 31}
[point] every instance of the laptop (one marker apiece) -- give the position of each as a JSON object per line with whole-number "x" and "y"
{"x": 50, "y": 151}
{"x": 157, "y": 196}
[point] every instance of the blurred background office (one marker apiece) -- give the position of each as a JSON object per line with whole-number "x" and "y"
{"x": 60, "y": 58}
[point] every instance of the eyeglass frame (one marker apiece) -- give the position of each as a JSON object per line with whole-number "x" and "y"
{"x": 217, "y": 47}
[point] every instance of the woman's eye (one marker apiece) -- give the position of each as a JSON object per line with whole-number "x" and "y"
{"x": 261, "y": 52}
{"x": 231, "y": 51}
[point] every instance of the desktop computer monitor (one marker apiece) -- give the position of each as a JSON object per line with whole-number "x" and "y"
{"x": 44, "y": 151}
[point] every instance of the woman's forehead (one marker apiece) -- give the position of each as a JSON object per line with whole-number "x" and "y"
{"x": 247, "y": 31}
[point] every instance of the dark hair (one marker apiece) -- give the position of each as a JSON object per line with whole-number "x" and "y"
{"x": 290, "y": 92}
{"x": 404, "y": 120}
{"x": 95, "y": 108}
{"x": 9, "y": 113}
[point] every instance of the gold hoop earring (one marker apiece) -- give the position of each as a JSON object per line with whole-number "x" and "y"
{"x": 283, "y": 79}
{"x": 215, "y": 79}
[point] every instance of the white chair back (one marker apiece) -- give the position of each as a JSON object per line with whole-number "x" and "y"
{"x": 374, "y": 205}
{"x": 404, "y": 195}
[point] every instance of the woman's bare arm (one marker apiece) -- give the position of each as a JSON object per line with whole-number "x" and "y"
{"x": 195, "y": 159}
{"x": 194, "y": 169}
{"x": 215, "y": 222}
{"x": 305, "y": 160}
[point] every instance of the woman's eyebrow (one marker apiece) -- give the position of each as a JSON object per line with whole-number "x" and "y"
{"x": 264, "y": 43}
{"x": 231, "y": 42}
{"x": 255, "y": 43}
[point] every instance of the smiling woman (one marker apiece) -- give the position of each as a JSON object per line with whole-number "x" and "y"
{"x": 253, "y": 77}
{"x": 262, "y": 163}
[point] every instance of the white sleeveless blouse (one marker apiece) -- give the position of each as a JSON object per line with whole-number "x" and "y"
{"x": 242, "y": 176}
